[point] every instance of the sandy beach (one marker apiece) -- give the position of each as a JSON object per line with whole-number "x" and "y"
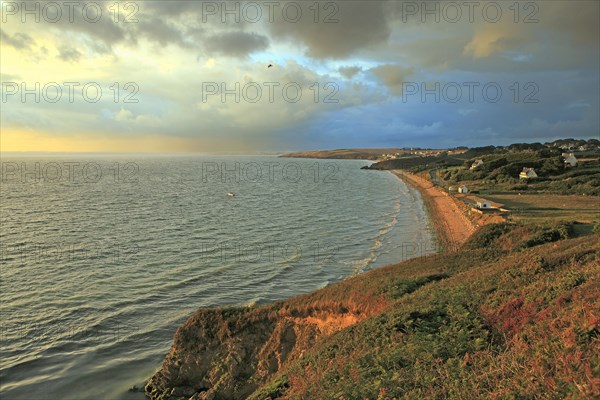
{"x": 451, "y": 224}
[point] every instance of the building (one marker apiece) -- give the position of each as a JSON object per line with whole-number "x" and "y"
{"x": 528, "y": 173}
{"x": 463, "y": 189}
{"x": 482, "y": 205}
{"x": 570, "y": 159}
{"x": 476, "y": 164}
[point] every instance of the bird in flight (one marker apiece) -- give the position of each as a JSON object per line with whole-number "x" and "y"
{"x": 269, "y": 66}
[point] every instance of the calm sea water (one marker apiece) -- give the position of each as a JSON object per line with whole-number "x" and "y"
{"x": 103, "y": 257}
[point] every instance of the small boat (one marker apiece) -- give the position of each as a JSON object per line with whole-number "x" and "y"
{"x": 230, "y": 194}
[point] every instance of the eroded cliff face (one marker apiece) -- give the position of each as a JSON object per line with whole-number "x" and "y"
{"x": 229, "y": 353}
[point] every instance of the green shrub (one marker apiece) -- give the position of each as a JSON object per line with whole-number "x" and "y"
{"x": 519, "y": 187}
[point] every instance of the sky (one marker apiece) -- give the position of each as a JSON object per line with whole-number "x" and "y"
{"x": 194, "y": 76}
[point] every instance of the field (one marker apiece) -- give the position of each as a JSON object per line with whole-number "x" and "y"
{"x": 545, "y": 207}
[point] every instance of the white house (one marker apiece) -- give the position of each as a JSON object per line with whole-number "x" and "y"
{"x": 483, "y": 204}
{"x": 463, "y": 189}
{"x": 528, "y": 173}
{"x": 476, "y": 164}
{"x": 570, "y": 159}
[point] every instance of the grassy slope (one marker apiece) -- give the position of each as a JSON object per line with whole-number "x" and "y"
{"x": 514, "y": 314}
{"x": 544, "y": 206}
{"x": 485, "y": 322}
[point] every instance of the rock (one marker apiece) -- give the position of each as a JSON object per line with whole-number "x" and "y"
{"x": 228, "y": 353}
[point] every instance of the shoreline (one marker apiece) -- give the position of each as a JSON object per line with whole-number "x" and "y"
{"x": 452, "y": 228}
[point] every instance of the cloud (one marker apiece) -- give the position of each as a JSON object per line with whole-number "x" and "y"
{"x": 577, "y": 19}
{"x": 236, "y": 44}
{"x": 143, "y": 120}
{"x": 493, "y": 39}
{"x": 349, "y": 72}
{"x": 123, "y": 115}
{"x": 163, "y": 31}
{"x": 392, "y": 76}
{"x": 105, "y": 31}
{"x": 69, "y": 54}
{"x": 368, "y": 53}
{"x": 20, "y": 41}
{"x": 355, "y": 25}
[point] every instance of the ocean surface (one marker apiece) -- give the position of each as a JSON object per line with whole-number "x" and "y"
{"x": 103, "y": 257}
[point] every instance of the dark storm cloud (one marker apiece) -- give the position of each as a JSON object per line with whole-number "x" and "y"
{"x": 360, "y": 24}
{"x": 105, "y": 29}
{"x": 578, "y": 19}
{"x": 236, "y": 44}
{"x": 353, "y": 25}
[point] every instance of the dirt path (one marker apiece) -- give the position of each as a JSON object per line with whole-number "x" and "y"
{"x": 452, "y": 226}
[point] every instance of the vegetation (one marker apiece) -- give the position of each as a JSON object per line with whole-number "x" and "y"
{"x": 549, "y": 234}
{"x": 543, "y": 207}
{"x": 514, "y": 314}
{"x": 514, "y": 324}
{"x": 415, "y": 164}
{"x": 502, "y": 165}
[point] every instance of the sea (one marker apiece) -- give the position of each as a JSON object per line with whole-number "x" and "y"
{"x": 102, "y": 257}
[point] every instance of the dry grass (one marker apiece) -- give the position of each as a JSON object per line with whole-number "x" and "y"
{"x": 545, "y": 207}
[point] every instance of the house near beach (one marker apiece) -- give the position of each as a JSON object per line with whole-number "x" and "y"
{"x": 463, "y": 189}
{"x": 483, "y": 205}
{"x": 570, "y": 159}
{"x": 528, "y": 173}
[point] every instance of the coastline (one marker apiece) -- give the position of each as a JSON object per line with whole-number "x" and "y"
{"x": 288, "y": 349}
{"x": 452, "y": 228}
{"x": 291, "y": 327}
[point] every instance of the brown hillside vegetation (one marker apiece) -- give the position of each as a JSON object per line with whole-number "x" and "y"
{"x": 514, "y": 314}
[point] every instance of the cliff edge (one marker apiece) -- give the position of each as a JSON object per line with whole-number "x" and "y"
{"x": 514, "y": 313}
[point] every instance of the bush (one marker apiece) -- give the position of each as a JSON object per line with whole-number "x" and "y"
{"x": 486, "y": 235}
{"x": 552, "y": 166}
{"x": 550, "y": 234}
{"x": 519, "y": 187}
